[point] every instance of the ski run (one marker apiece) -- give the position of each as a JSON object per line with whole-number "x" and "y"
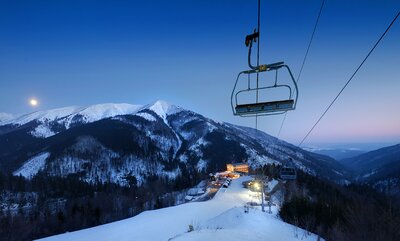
{"x": 222, "y": 218}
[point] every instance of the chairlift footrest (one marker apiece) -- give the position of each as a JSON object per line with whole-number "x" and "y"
{"x": 264, "y": 107}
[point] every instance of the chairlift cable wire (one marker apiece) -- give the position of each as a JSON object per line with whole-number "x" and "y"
{"x": 258, "y": 57}
{"x": 257, "y": 79}
{"x": 350, "y": 79}
{"x": 305, "y": 58}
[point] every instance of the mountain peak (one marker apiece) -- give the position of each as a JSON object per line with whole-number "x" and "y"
{"x": 163, "y": 108}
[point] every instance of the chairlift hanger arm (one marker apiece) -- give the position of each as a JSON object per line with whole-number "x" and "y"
{"x": 249, "y": 43}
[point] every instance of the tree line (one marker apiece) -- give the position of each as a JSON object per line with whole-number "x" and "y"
{"x": 340, "y": 212}
{"x": 65, "y": 204}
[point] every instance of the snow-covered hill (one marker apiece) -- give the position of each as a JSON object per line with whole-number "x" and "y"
{"x": 114, "y": 142}
{"x": 222, "y": 218}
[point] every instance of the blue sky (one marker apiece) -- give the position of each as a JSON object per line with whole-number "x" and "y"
{"x": 189, "y": 53}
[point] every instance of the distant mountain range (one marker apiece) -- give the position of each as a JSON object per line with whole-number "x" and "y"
{"x": 380, "y": 168}
{"x": 113, "y": 142}
{"x": 337, "y": 153}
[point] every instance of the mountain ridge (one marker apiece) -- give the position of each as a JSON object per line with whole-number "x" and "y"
{"x": 379, "y": 168}
{"x": 156, "y": 139}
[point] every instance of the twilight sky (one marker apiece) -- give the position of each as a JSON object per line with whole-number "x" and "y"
{"x": 189, "y": 53}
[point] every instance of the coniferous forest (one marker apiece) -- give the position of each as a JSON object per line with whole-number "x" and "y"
{"x": 337, "y": 212}
{"x": 48, "y": 205}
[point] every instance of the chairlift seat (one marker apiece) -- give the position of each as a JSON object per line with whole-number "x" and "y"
{"x": 264, "y": 107}
{"x": 288, "y": 177}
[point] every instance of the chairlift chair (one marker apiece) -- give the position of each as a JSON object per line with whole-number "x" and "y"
{"x": 261, "y": 108}
{"x": 288, "y": 171}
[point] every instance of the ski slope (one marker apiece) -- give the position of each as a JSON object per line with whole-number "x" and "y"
{"x": 222, "y": 218}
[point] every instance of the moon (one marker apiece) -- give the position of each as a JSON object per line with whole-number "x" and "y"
{"x": 33, "y": 102}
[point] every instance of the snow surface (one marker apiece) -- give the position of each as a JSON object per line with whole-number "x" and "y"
{"x": 221, "y": 218}
{"x": 101, "y": 111}
{"x": 44, "y": 115}
{"x": 32, "y": 166}
{"x": 42, "y": 131}
{"x": 201, "y": 165}
{"x": 235, "y": 225}
{"x": 146, "y": 116}
{"x": 271, "y": 185}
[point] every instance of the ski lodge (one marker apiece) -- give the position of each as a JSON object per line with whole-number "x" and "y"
{"x": 238, "y": 167}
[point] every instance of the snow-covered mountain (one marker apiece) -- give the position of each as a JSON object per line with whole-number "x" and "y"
{"x": 115, "y": 142}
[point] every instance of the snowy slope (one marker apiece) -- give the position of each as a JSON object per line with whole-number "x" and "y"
{"x": 235, "y": 225}
{"x": 44, "y": 115}
{"x": 101, "y": 111}
{"x": 89, "y": 113}
{"x": 221, "y": 218}
{"x": 32, "y": 166}
{"x": 49, "y": 121}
